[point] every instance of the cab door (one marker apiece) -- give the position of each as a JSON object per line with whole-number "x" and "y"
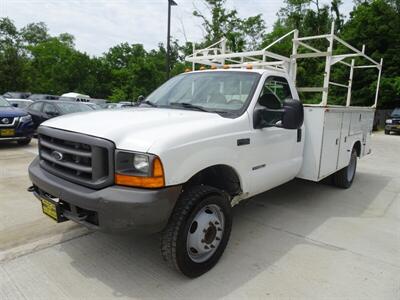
{"x": 275, "y": 153}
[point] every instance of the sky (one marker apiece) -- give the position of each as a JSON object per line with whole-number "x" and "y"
{"x": 100, "y": 24}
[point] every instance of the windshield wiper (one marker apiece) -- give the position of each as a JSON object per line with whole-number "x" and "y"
{"x": 189, "y": 105}
{"x": 148, "y": 103}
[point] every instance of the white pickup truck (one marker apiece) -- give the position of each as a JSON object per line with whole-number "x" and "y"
{"x": 198, "y": 145}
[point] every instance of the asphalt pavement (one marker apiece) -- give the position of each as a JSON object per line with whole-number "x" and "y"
{"x": 302, "y": 240}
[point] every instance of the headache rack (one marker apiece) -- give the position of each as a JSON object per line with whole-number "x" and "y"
{"x": 217, "y": 55}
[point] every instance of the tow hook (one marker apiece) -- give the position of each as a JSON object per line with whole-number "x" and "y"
{"x": 32, "y": 189}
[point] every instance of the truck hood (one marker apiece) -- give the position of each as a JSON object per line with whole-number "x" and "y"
{"x": 137, "y": 129}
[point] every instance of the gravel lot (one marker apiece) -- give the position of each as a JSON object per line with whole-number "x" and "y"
{"x": 301, "y": 240}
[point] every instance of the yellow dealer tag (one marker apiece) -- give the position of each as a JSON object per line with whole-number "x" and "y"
{"x": 49, "y": 208}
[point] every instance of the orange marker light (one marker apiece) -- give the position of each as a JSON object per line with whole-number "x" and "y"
{"x": 226, "y": 66}
{"x": 202, "y": 68}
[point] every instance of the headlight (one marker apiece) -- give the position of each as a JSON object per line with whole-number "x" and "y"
{"x": 26, "y": 118}
{"x": 389, "y": 121}
{"x": 138, "y": 169}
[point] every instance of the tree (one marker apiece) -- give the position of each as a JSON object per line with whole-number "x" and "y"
{"x": 34, "y": 33}
{"x": 377, "y": 25}
{"x": 240, "y": 33}
{"x": 12, "y": 58}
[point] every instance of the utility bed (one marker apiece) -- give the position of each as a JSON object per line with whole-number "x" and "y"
{"x": 330, "y": 135}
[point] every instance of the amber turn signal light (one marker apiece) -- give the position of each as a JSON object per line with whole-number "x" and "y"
{"x": 154, "y": 181}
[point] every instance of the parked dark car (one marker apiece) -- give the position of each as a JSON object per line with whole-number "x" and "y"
{"x": 16, "y": 95}
{"x": 38, "y": 97}
{"x": 15, "y": 124}
{"x": 393, "y": 123}
{"x": 45, "y": 110}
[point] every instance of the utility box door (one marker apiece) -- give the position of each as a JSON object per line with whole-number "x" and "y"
{"x": 345, "y": 142}
{"x": 330, "y": 143}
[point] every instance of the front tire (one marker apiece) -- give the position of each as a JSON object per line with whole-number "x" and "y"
{"x": 387, "y": 131}
{"x": 198, "y": 231}
{"x": 24, "y": 142}
{"x": 344, "y": 177}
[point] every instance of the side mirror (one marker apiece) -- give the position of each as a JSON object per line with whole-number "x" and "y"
{"x": 293, "y": 116}
{"x": 140, "y": 98}
{"x": 15, "y": 104}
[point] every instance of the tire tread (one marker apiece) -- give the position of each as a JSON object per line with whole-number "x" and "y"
{"x": 185, "y": 204}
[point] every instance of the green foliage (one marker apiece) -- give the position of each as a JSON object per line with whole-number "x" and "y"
{"x": 241, "y": 34}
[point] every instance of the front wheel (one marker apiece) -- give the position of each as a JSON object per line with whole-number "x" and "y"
{"x": 344, "y": 177}
{"x": 198, "y": 231}
{"x": 387, "y": 131}
{"x": 24, "y": 141}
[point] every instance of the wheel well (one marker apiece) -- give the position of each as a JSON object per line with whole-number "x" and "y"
{"x": 357, "y": 146}
{"x": 222, "y": 177}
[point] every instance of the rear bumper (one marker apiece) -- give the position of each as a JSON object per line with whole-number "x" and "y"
{"x": 112, "y": 209}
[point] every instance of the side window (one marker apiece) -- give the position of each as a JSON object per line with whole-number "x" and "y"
{"x": 279, "y": 87}
{"x": 36, "y": 106}
{"x": 49, "y": 109}
{"x": 275, "y": 91}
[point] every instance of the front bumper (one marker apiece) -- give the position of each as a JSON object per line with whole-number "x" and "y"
{"x": 112, "y": 209}
{"x": 22, "y": 131}
{"x": 395, "y": 128}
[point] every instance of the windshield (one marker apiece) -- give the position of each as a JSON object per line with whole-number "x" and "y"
{"x": 68, "y": 108}
{"x": 4, "y": 102}
{"x": 396, "y": 112}
{"x": 212, "y": 91}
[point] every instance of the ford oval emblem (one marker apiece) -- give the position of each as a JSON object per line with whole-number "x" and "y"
{"x": 57, "y": 155}
{"x": 5, "y": 121}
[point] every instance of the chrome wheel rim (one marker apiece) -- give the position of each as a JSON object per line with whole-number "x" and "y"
{"x": 351, "y": 169}
{"x": 205, "y": 233}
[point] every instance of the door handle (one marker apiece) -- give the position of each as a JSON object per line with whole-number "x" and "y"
{"x": 337, "y": 141}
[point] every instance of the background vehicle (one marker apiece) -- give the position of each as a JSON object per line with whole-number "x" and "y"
{"x": 16, "y": 95}
{"x": 198, "y": 145}
{"x": 37, "y": 97}
{"x": 393, "y": 123}
{"x": 15, "y": 124}
{"x": 117, "y": 105}
{"x": 93, "y": 106}
{"x": 20, "y": 103}
{"x": 45, "y": 110}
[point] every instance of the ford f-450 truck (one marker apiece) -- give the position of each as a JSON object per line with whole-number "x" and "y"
{"x": 198, "y": 145}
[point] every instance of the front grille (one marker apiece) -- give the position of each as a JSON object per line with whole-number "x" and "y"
{"x": 79, "y": 158}
{"x": 8, "y": 121}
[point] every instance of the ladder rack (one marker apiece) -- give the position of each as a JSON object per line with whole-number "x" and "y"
{"x": 217, "y": 55}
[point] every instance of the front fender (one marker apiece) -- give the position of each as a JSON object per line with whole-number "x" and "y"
{"x": 180, "y": 164}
